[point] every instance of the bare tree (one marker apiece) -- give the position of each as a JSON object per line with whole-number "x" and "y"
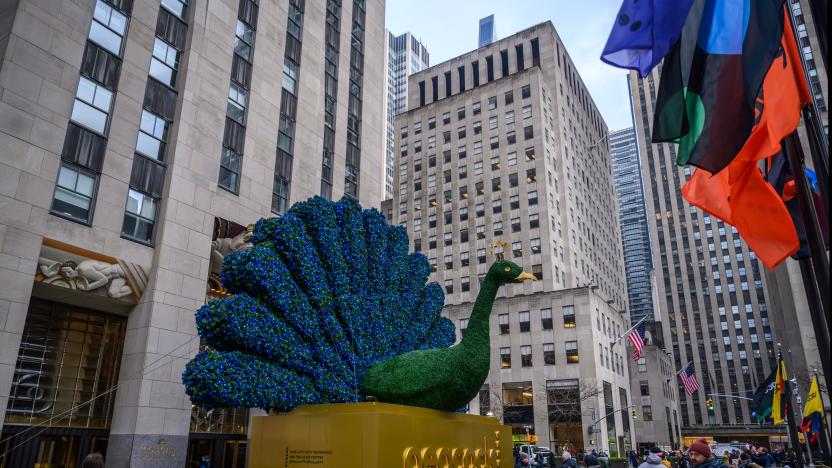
{"x": 564, "y": 404}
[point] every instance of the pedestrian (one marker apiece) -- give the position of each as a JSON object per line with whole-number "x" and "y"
{"x": 632, "y": 456}
{"x": 652, "y": 461}
{"x": 701, "y": 456}
{"x": 591, "y": 460}
{"x": 568, "y": 460}
{"x": 93, "y": 460}
{"x": 684, "y": 460}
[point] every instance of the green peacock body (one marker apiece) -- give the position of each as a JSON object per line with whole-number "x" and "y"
{"x": 329, "y": 306}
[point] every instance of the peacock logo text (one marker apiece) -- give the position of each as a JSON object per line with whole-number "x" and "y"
{"x": 454, "y": 457}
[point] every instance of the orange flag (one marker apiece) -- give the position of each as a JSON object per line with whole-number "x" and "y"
{"x": 739, "y": 195}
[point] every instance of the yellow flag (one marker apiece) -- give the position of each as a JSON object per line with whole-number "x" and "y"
{"x": 778, "y": 402}
{"x": 813, "y": 403}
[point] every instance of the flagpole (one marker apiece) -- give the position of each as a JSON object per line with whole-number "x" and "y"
{"x": 811, "y": 116}
{"x": 684, "y": 367}
{"x": 820, "y": 263}
{"x": 813, "y": 300}
{"x": 790, "y": 426}
{"x": 628, "y": 331}
{"x": 820, "y": 9}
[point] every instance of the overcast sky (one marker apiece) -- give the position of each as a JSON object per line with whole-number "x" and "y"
{"x": 449, "y": 28}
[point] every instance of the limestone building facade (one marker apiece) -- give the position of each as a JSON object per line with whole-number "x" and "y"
{"x": 503, "y": 152}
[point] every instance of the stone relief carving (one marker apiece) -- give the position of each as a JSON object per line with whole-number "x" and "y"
{"x": 88, "y": 275}
{"x": 69, "y": 267}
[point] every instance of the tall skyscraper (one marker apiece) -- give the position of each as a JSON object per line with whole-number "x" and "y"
{"x": 711, "y": 289}
{"x": 404, "y": 55}
{"x": 140, "y": 139}
{"x": 488, "y": 31}
{"x": 635, "y": 234}
{"x": 505, "y": 144}
{"x": 722, "y": 309}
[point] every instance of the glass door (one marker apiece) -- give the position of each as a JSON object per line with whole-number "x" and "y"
{"x": 56, "y": 452}
{"x": 234, "y": 454}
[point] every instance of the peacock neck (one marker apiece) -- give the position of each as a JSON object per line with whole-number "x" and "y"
{"x": 477, "y": 331}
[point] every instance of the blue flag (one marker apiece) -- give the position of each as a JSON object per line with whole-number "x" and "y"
{"x": 644, "y": 32}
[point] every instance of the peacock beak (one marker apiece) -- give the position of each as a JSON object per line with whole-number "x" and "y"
{"x": 524, "y": 276}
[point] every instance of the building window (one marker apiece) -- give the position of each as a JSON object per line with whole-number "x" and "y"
{"x": 526, "y": 92}
{"x": 515, "y": 224}
{"x": 642, "y": 364}
{"x": 572, "y": 352}
{"x": 92, "y": 105}
{"x": 526, "y": 356}
{"x": 152, "y": 134}
{"x": 463, "y": 325}
{"x": 139, "y": 217}
{"x": 509, "y": 96}
{"x": 164, "y": 63}
{"x": 546, "y": 318}
{"x": 505, "y": 357}
{"x": 528, "y": 132}
{"x": 290, "y": 78}
{"x": 243, "y": 41}
{"x": 525, "y": 321}
{"x": 535, "y": 245}
{"x": 229, "y": 169}
{"x": 511, "y": 137}
{"x": 532, "y": 197}
{"x": 74, "y": 192}
{"x": 449, "y": 286}
{"x": 502, "y": 320}
{"x": 237, "y": 101}
{"x": 549, "y": 354}
{"x": 492, "y": 103}
{"x": 534, "y": 221}
{"x": 107, "y": 28}
{"x": 644, "y": 386}
{"x": 480, "y": 256}
{"x": 569, "y": 316}
{"x": 647, "y": 413}
{"x": 463, "y": 259}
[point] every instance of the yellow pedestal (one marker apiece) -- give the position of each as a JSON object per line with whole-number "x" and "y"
{"x": 377, "y": 435}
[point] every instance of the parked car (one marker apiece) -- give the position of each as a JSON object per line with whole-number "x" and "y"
{"x": 539, "y": 456}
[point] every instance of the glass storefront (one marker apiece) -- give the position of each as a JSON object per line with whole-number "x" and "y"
{"x": 563, "y": 399}
{"x": 67, "y": 367}
{"x": 612, "y": 435}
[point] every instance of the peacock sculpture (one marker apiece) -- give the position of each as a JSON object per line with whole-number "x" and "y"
{"x": 327, "y": 306}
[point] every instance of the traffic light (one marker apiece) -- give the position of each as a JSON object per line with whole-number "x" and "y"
{"x": 710, "y": 404}
{"x": 635, "y": 415}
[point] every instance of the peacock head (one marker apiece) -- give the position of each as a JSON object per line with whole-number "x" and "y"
{"x": 505, "y": 272}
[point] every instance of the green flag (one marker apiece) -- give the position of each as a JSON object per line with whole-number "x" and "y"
{"x": 763, "y": 398}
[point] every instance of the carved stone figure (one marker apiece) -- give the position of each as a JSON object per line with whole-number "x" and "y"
{"x": 88, "y": 275}
{"x": 225, "y": 245}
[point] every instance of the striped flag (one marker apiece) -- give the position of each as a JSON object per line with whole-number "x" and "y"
{"x": 689, "y": 380}
{"x": 636, "y": 337}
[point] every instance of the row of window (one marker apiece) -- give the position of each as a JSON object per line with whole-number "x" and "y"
{"x": 465, "y": 281}
{"x": 548, "y": 349}
{"x": 149, "y": 165}
{"x": 493, "y": 141}
{"x": 475, "y": 72}
{"x": 332, "y": 42}
{"x": 281, "y": 185}
{"x": 476, "y": 109}
{"x": 462, "y": 153}
{"x": 231, "y": 159}
{"x": 82, "y": 156}
{"x": 352, "y": 163}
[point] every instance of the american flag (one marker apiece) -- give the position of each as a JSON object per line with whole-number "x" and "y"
{"x": 636, "y": 337}
{"x": 688, "y": 376}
